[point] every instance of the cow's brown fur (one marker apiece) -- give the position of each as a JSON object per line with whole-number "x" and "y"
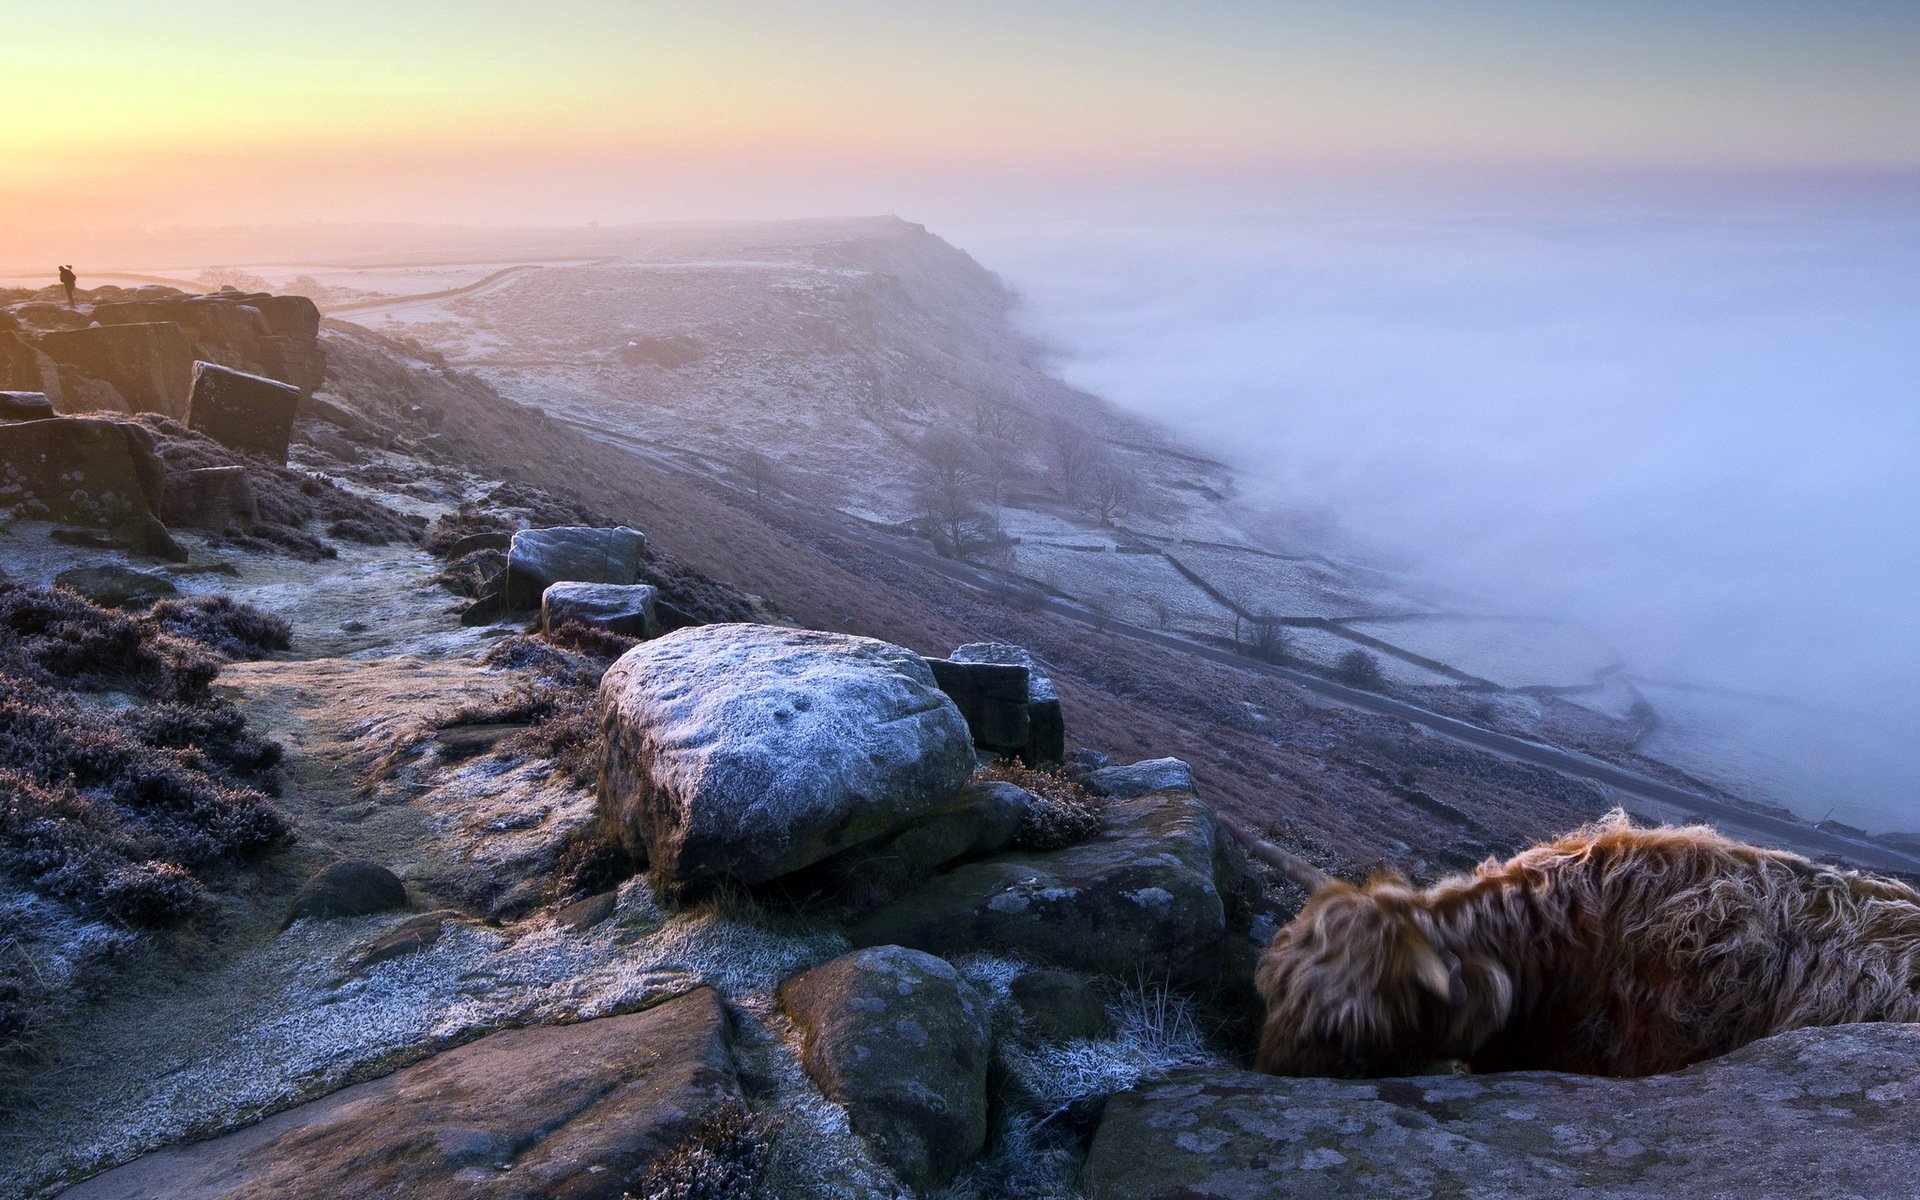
{"x": 1612, "y": 951}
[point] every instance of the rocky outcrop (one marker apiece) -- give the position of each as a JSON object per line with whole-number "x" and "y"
{"x": 985, "y": 818}
{"x": 1814, "y": 1112}
{"x": 573, "y": 1112}
{"x": 149, "y": 365}
{"x": 274, "y": 336}
{"x": 85, "y": 471}
{"x": 539, "y": 558}
{"x": 242, "y": 412}
{"x": 1158, "y": 888}
{"x": 902, "y": 1042}
{"x": 750, "y": 751}
{"x": 625, "y": 609}
{"x": 1046, "y": 730}
{"x": 215, "y": 498}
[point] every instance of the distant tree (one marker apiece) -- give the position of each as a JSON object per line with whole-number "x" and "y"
{"x": 1108, "y": 487}
{"x": 1357, "y": 668}
{"x": 311, "y": 288}
{"x": 1272, "y": 641}
{"x": 950, "y": 488}
{"x": 758, "y": 472}
{"x": 998, "y": 419}
{"x": 225, "y": 278}
{"x": 1070, "y": 448}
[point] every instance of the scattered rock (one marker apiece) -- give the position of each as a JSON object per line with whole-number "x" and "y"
{"x": 113, "y": 586}
{"x": 1154, "y": 888}
{"x": 150, "y": 365}
{"x": 349, "y": 888}
{"x": 749, "y": 751}
{"x": 1137, "y": 779}
{"x": 474, "y": 542}
{"x": 242, "y": 412}
{"x": 540, "y": 558}
{"x": 1060, "y": 1005}
{"x": 408, "y": 937}
{"x": 1046, "y": 740}
{"x": 25, "y": 406}
{"x": 1814, "y": 1112}
{"x": 583, "y": 914}
{"x": 622, "y": 608}
{"x": 215, "y": 498}
{"x": 900, "y": 1040}
{"x": 572, "y": 1112}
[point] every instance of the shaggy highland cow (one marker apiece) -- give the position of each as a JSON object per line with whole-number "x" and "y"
{"x": 1613, "y": 951}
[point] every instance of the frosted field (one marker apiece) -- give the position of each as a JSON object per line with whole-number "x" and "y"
{"x": 1131, "y": 587}
{"x": 1322, "y": 648}
{"x": 1288, "y": 587}
{"x": 1510, "y": 652}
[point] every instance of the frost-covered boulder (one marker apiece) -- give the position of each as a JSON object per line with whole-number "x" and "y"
{"x": 749, "y": 751}
{"x": 1814, "y": 1112}
{"x": 622, "y": 608}
{"x": 1159, "y": 889}
{"x": 902, "y": 1042}
{"x": 247, "y": 413}
{"x": 1137, "y": 779}
{"x": 540, "y": 558}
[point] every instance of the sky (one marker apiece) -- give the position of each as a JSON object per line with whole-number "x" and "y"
{"x": 125, "y": 113}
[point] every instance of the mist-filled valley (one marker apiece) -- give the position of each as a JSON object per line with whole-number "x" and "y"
{"x": 1681, "y": 414}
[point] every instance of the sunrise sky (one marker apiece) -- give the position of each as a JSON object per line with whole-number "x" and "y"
{"x": 127, "y": 112}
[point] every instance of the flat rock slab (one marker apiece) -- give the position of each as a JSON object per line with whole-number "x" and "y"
{"x": 1137, "y": 779}
{"x": 569, "y": 1111}
{"x": 1811, "y": 1113}
{"x": 1147, "y": 894}
{"x": 751, "y": 751}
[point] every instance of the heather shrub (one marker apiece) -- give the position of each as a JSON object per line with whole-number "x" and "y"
{"x": 233, "y": 628}
{"x": 1063, "y": 813}
{"x": 559, "y": 704}
{"x": 58, "y": 637}
{"x": 727, "y": 1159}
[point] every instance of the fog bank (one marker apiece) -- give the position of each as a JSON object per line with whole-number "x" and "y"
{"x": 1689, "y": 420}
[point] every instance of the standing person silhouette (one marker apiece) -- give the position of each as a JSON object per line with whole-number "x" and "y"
{"x": 67, "y": 280}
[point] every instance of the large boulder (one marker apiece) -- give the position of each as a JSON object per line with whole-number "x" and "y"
{"x": 1815, "y": 1112}
{"x": 750, "y": 751}
{"x": 274, "y": 336}
{"x": 993, "y": 699}
{"x": 622, "y": 608}
{"x": 216, "y": 498}
{"x": 539, "y": 558}
{"x": 1157, "y": 889}
{"x": 349, "y": 888}
{"x": 25, "y": 368}
{"x": 86, "y": 471}
{"x": 1046, "y": 736}
{"x": 570, "y": 1112}
{"x": 902, "y": 1042}
{"x": 150, "y": 365}
{"x": 248, "y": 413}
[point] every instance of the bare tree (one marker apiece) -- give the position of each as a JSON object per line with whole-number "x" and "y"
{"x": 950, "y": 486}
{"x": 759, "y": 472}
{"x": 1272, "y": 640}
{"x": 1108, "y": 488}
{"x": 997, "y": 418}
{"x": 1070, "y": 449}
